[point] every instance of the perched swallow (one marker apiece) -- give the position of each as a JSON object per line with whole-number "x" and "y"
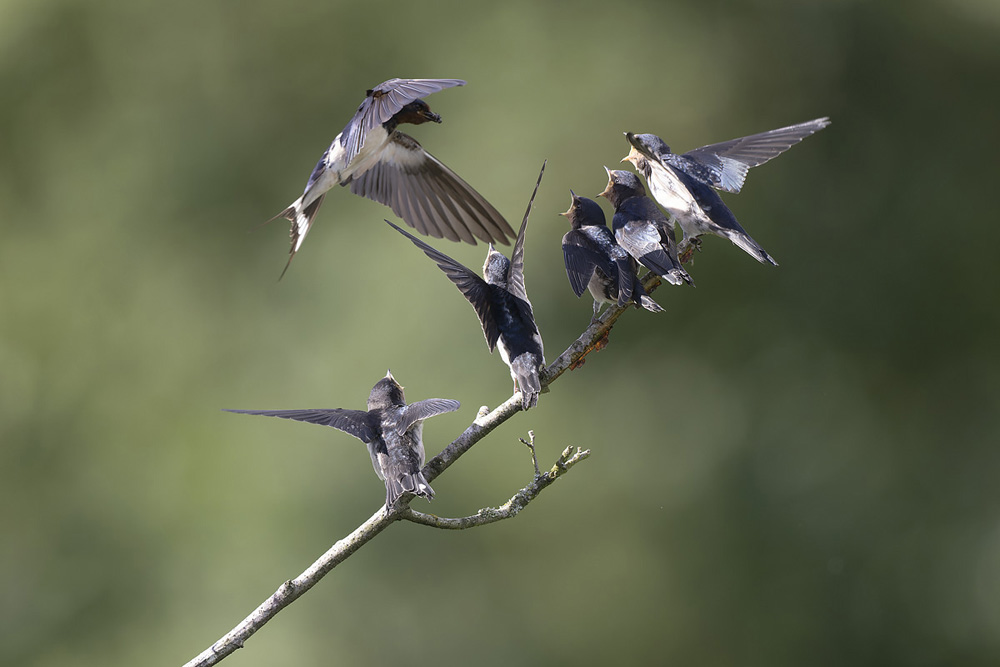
{"x": 501, "y": 302}
{"x": 595, "y": 261}
{"x": 392, "y": 430}
{"x": 387, "y": 166}
{"x": 683, "y": 184}
{"x": 641, "y": 228}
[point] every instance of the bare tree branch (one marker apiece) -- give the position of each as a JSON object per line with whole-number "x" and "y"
{"x": 484, "y": 423}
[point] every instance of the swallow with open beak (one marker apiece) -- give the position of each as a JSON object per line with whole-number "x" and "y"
{"x": 642, "y": 229}
{"x": 501, "y": 302}
{"x": 383, "y": 164}
{"x": 595, "y": 261}
{"x": 392, "y": 430}
{"x": 685, "y": 184}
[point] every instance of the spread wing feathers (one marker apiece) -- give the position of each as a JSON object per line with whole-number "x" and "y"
{"x": 358, "y": 423}
{"x": 476, "y": 290}
{"x": 382, "y": 103}
{"x": 515, "y": 274}
{"x": 425, "y": 409}
{"x": 429, "y": 196}
{"x": 726, "y": 163}
{"x": 581, "y": 261}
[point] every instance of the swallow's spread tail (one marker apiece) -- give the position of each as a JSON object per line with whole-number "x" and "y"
{"x": 414, "y": 483}
{"x": 525, "y": 371}
{"x": 751, "y": 247}
{"x": 301, "y": 219}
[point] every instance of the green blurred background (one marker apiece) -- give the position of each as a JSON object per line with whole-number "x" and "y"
{"x": 791, "y": 466}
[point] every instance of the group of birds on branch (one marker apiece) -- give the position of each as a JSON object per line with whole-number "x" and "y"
{"x": 381, "y": 163}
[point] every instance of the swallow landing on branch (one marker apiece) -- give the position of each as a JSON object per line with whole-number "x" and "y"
{"x": 683, "y": 184}
{"x": 385, "y": 165}
{"x": 641, "y": 228}
{"x": 595, "y": 261}
{"x": 392, "y": 430}
{"x": 501, "y": 302}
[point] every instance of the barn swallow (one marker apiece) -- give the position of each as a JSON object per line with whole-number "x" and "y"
{"x": 595, "y": 261}
{"x": 641, "y": 228}
{"x": 385, "y": 165}
{"x": 683, "y": 184}
{"x": 502, "y": 304}
{"x": 392, "y": 430}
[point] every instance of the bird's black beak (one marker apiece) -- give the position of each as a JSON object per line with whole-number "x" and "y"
{"x": 431, "y": 116}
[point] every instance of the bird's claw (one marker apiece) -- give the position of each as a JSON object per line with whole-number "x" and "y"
{"x": 596, "y": 346}
{"x": 687, "y": 254}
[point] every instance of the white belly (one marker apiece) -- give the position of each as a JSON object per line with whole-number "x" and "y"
{"x": 671, "y": 194}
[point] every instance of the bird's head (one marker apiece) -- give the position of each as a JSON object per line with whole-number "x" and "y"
{"x": 415, "y": 113}
{"x": 621, "y": 186}
{"x": 583, "y": 212}
{"x": 495, "y": 267}
{"x": 648, "y": 145}
{"x": 386, "y": 393}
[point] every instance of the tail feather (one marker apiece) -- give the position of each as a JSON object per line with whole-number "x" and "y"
{"x": 647, "y": 302}
{"x": 681, "y": 276}
{"x": 643, "y": 299}
{"x": 525, "y": 371}
{"x": 414, "y": 483}
{"x": 751, "y": 247}
{"x": 301, "y": 219}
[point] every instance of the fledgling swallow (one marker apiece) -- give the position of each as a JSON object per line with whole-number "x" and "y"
{"x": 390, "y": 167}
{"x": 392, "y": 430}
{"x": 595, "y": 261}
{"x": 502, "y": 304}
{"x": 683, "y": 184}
{"x": 642, "y": 229}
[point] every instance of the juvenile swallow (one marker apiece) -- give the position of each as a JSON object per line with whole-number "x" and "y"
{"x": 385, "y": 165}
{"x": 501, "y": 302}
{"x": 595, "y": 261}
{"x": 392, "y": 430}
{"x": 683, "y": 184}
{"x": 641, "y": 228}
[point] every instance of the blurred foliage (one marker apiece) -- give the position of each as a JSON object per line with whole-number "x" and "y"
{"x": 791, "y": 466}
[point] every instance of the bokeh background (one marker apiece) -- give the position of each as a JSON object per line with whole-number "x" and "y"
{"x": 791, "y": 466}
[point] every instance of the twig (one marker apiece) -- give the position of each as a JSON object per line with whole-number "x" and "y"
{"x": 484, "y": 423}
{"x": 530, "y": 443}
{"x": 509, "y": 509}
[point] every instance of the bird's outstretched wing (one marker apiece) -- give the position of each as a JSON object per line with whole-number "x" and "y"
{"x": 476, "y": 290}
{"x": 425, "y": 409}
{"x": 515, "y": 274}
{"x": 724, "y": 165}
{"x": 429, "y": 196}
{"x": 382, "y": 103}
{"x": 353, "y": 422}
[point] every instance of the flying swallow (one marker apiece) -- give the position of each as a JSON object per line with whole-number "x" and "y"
{"x": 641, "y": 228}
{"x": 390, "y": 167}
{"x": 501, "y": 302}
{"x": 683, "y": 184}
{"x": 392, "y": 430}
{"x": 595, "y": 261}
